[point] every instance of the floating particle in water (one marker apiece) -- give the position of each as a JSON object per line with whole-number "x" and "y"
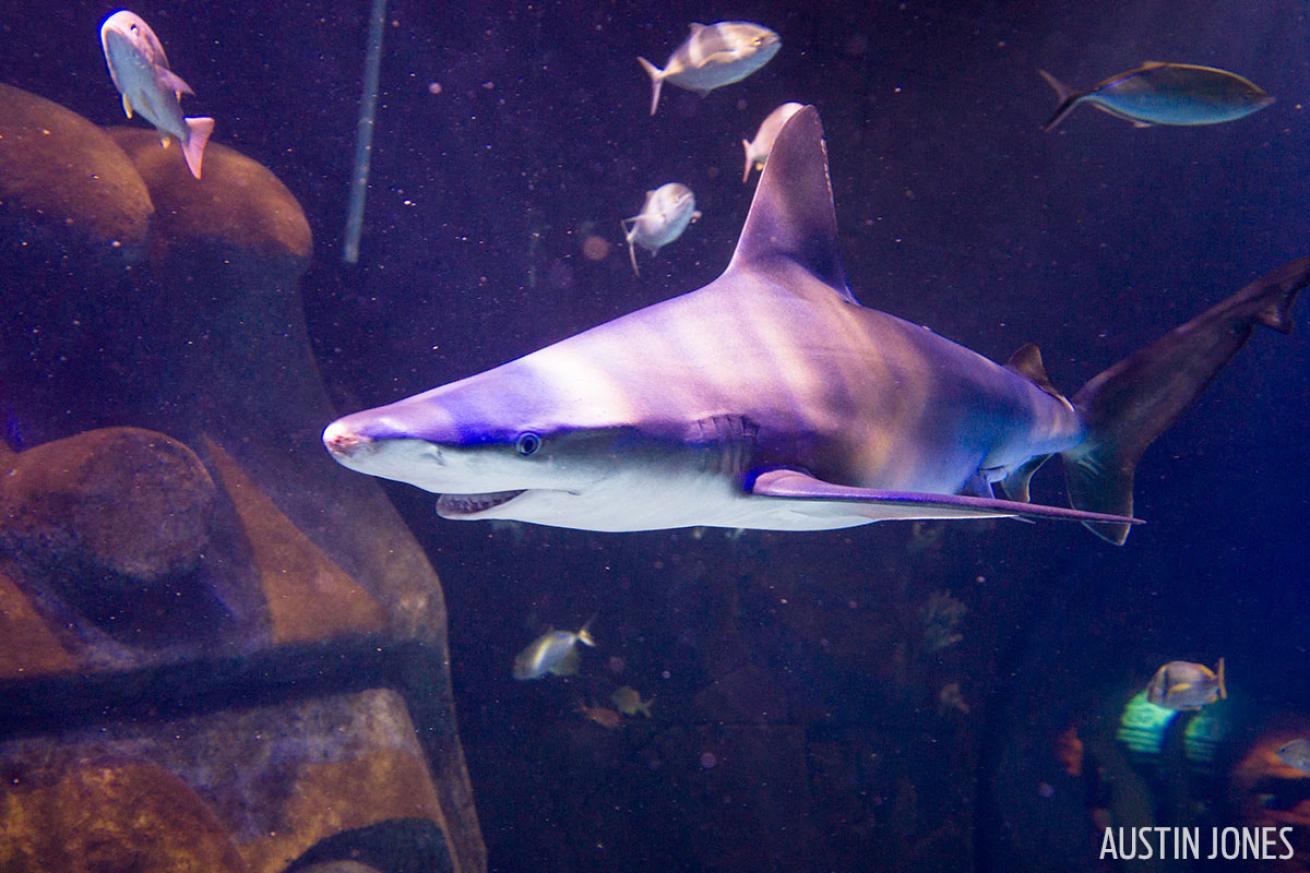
{"x": 434, "y": 87}
{"x": 708, "y": 760}
{"x": 1045, "y": 789}
{"x": 595, "y": 248}
{"x": 616, "y": 664}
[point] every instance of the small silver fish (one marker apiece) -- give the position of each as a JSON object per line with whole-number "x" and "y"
{"x": 140, "y": 71}
{"x": 1181, "y": 685}
{"x": 1160, "y": 93}
{"x": 663, "y": 217}
{"x": 757, "y": 150}
{"x": 1296, "y": 754}
{"x": 553, "y": 652}
{"x": 713, "y": 56}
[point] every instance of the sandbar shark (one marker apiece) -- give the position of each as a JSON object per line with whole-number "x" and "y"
{"x": 771, "y": 399}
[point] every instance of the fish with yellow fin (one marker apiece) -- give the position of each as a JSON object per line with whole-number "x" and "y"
{"x": 712, "y": 56}
{"x": 1182, "y": 685}
{"x": 1160, "y": 93}
{"x": 140, "y": 71}
{"x": 628, "y": 701}
{"x": 555, "y": 652}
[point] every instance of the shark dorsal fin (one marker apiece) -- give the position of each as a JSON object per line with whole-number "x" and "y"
{"x": 792, "y": 215}
{"x": 1027, "y": 362}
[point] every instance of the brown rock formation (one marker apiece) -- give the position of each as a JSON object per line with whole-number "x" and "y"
{"x": 65, "y": 187}
{"x": 159, "y": 587}
{"x": 239, "y": 206}
{"x": 308, "y": 596}
{"x": 94, "y": 817}
{"x": 30, "y": 648}
{"x": 119, "y": 506}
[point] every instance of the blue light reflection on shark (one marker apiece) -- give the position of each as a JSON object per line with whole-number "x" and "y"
{"x": 771, "y": 399}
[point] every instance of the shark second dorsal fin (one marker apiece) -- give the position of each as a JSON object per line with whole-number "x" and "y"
{"x": 792, "y": 215}
{"x": 1027, "y": 362}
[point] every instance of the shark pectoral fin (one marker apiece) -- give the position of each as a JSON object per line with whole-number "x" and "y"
{"x": 795, "y": 485}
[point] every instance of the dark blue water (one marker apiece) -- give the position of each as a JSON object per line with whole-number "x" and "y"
{"x": 957, "y": 212}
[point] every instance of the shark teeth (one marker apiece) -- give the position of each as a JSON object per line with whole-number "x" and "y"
{"x": 458, "y": 505}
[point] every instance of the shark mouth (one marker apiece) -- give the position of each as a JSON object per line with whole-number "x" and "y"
{"x": 468, "y": 505}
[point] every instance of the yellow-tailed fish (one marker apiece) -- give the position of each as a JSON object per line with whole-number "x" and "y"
{"x": 664, "y": 216}
{"x": 553, "y": 652}
{"x": 627, "y": 701}
{"x": 713, "y": 56}
{"x": 1183, "y": 685}
{"x": 1160, "y": 93}
{"x": 140, "y": 71}
{"x": 757, "y": 150}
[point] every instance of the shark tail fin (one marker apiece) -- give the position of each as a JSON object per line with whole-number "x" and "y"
{"x": 1223, "y": 685}
{"x": 194, "y": 147}
{"x": 656, "y": 82}
{"x": 1067, "y": 96}
{"x": 1127, "y": 406}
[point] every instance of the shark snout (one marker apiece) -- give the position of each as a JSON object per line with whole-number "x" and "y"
{"x": 341, "y": 441}
{"x": 379, "y": 446}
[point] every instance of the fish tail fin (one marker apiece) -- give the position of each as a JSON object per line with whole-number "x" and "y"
{"x": 656, "y": 82}
{"x": 631, "y": 235}
{"x": 584, "y": 633}
{"x": 1223, "y": 687}
{"x": 1067, "y": 96}
{"x": 746, "y": 173}
{"x": 1127, "y": 406}
{"x": 193, "y": 149}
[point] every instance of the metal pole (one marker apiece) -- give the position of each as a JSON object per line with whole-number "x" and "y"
{"x": 368, "y": 107}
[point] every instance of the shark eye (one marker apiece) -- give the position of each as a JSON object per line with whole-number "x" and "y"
{"x": 527, "y": 444}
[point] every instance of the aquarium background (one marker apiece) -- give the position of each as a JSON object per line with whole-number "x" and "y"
{"x": 798, "y": 722}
